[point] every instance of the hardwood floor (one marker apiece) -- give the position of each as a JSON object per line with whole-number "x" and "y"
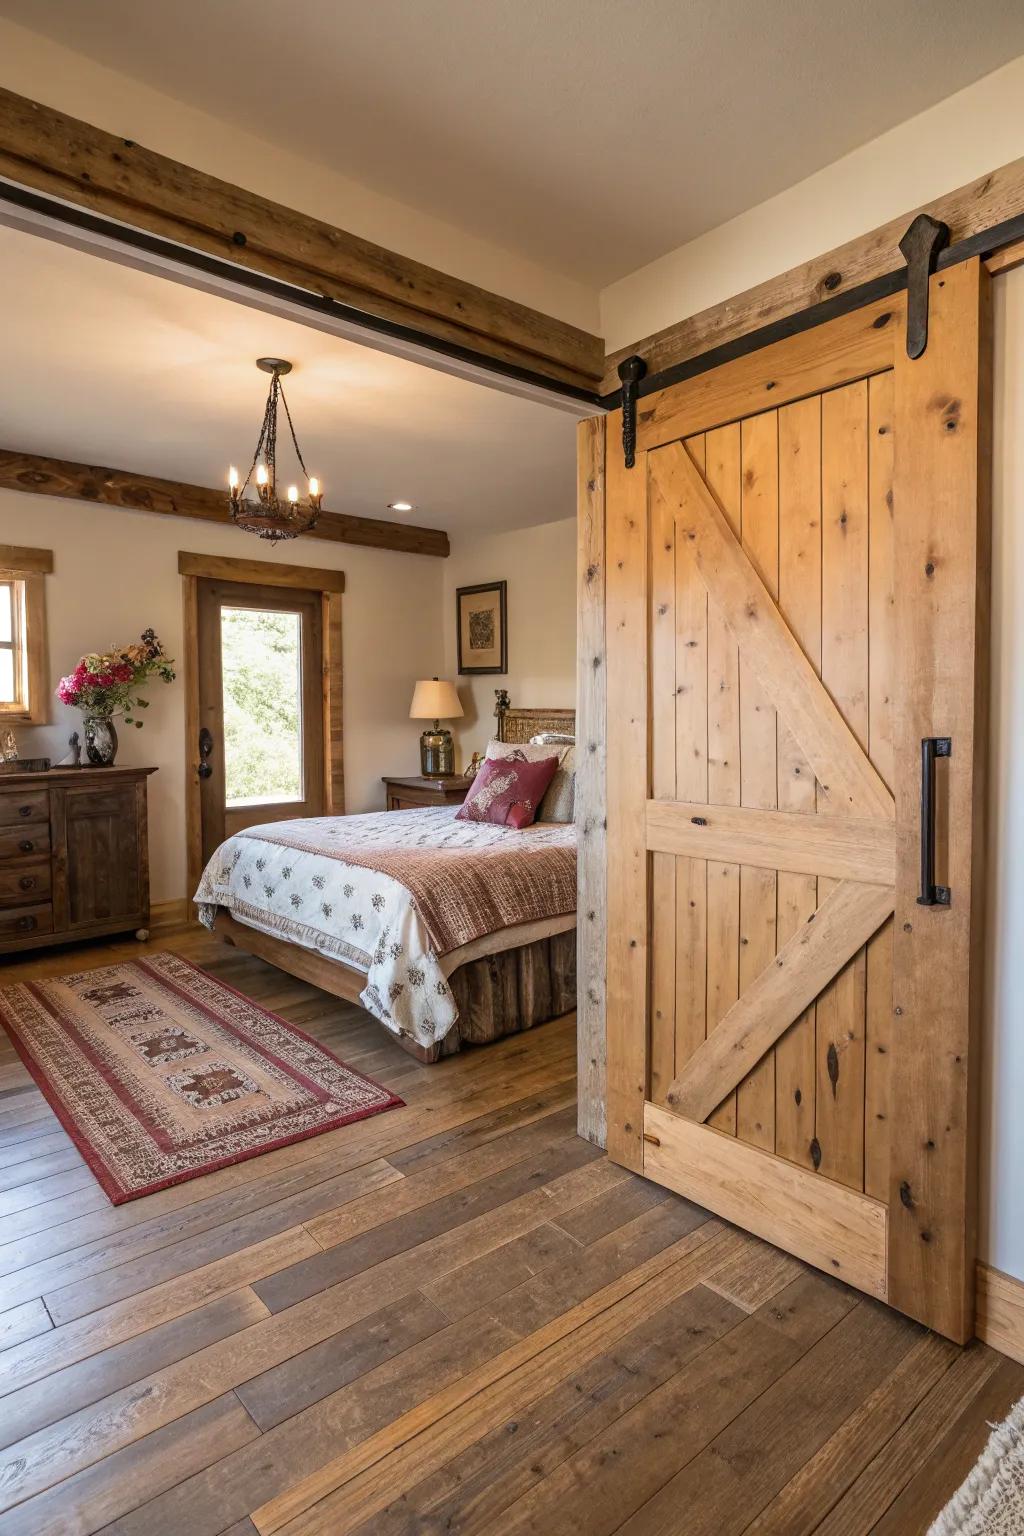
{"x": 453, "y": 1318}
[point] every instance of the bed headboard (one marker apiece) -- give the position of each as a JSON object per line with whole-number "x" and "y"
{"x": 520, "y": 724}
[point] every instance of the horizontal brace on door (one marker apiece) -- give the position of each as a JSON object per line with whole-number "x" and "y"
{"x": 840, "y": 847}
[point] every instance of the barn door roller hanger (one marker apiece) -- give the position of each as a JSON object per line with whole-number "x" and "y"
{"x": 920, "y": 247}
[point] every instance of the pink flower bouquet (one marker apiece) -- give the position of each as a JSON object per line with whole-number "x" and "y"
{"x": 107, "y": 684}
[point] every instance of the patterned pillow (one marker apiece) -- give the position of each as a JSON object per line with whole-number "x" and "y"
{"x": 559, "y": 803}
{"x": 507, "y": 791}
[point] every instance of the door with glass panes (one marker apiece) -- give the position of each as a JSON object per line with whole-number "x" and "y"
{"x": 260, "y": 748}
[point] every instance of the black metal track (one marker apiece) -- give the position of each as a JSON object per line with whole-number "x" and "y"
{"x": 304, "y": 298}
{"x": 890, "y": 283}
{"x": 982, "y": 244}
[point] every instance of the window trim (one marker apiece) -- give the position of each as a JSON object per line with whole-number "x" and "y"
{"x": 27, "y": 569}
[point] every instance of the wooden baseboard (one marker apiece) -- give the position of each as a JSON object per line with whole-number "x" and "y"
{"x": 168, "y": 916}
{"x": 999, "y": 1313}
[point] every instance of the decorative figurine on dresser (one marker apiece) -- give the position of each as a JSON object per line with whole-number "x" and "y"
{"x": 74, "y": 855}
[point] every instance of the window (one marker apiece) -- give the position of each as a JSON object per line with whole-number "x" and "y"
{"x": 261, "y": 657}
{"x": 24, "y": 678}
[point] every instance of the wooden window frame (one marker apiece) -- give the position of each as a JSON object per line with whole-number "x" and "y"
{"x": 25, "y": 570}
{"x": 330, "y": 585}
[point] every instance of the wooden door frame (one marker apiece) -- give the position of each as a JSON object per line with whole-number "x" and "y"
{"x": 923, "y": 1254}
{"x": 262, "y": 573}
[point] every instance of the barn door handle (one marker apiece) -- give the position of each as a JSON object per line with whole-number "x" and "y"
{"x": 932, "y": 895}
{"x": 205, "y": 749}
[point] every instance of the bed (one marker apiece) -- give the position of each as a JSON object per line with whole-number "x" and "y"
{"x": 449, "y": 932}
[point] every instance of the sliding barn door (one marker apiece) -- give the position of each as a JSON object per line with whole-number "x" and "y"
{"x": 795, "y": 630}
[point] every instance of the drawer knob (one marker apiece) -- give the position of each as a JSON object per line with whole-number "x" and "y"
{"x": 26, "y": 845}
{"x": 27, "y": 882}
{"x": 26, "y": 924}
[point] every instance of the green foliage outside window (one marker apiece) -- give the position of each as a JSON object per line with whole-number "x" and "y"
{"x": 261, "y": 663}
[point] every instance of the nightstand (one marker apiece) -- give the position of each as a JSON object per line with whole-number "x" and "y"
{"x": 403, "y": 794}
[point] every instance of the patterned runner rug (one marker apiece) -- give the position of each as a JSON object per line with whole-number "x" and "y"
{"x": 160, "y": 1073}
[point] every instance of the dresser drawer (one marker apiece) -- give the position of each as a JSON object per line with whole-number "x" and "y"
{"x": 28, "y": 842}
{"x": 23, "y": 884}
{"x": 25, "y": 923}
{"x": 18, "y": 806}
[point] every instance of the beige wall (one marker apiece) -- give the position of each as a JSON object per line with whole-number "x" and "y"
{"x": 35, "y": 66}
{"x": 539, "y": 565}
{"x": 117, "y": 573}
{"x": 960, "y": 139}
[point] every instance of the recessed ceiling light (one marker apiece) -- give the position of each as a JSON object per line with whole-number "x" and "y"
{"x": 399, "y": 506}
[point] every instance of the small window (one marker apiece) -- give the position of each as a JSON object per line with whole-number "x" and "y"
{"x": 24, "y": 680}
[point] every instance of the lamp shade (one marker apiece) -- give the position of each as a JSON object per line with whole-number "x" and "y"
{"x": 435, "y": 699}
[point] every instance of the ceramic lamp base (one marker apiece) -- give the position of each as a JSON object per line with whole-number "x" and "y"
{"x": 437, "y": 753}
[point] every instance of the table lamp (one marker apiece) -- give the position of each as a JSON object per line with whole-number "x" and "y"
{"x": 436, "y": 700}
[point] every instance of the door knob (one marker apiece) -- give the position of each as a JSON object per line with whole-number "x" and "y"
{"x": 205, "y": 749}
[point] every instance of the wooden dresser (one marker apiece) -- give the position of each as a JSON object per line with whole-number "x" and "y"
{"x": 402, "y": 794}
{"x": 74, "y": 856}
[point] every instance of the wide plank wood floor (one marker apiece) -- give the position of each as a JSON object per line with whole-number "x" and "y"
{"x": 453, "y": 1318}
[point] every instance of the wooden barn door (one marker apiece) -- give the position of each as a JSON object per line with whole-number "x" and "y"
{"x": 796, "y": 570}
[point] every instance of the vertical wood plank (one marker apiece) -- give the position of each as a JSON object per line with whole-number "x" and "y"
{"x": 591, "y": 787}
{"x": 800, "y": 603}
{"x": 759, "y": 523}
{"x": 691, "y": 784}
{"x": 334, "y": 724}
{"x": 839, "y": 1096}
{"x": 662, "y": 643}
{"x": 881, "y": 697}
{"x": 628, "y": 778}
{"x": 942, "y": 470}
{"x": 723, "y": 468}
{"x": 190, "y": 667}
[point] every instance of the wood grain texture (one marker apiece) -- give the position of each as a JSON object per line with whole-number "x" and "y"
{"x": 262, "y": 573}
{"x": 1000, "y": 1311}
{"x": 968, "y": 210}
{"x": 858, "y": 344}
{"x": 942, "y": 475}
{"x": 779, "y": 994}
{"x": 844, "y": 847}
{"x": 778, "y": 663}
{"x": 132, "y": 492}
{"x": 591, "y": 788}
{"x": 67, "y": 158}
{"x": 627, "y": 788}
{"x": 591, "y": 1309}
{"x": 17, "y": 559}
{"x": 835, "y": 1229}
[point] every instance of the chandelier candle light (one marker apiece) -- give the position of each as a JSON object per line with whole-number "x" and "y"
{"x": 268, "y": 516}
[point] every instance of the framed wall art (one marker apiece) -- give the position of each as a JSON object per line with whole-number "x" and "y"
{"x": 481, "y": 623}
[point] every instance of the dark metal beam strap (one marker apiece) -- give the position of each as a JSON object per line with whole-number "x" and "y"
{"x": 920, "y": 247}
{"x": 631, "y": 371}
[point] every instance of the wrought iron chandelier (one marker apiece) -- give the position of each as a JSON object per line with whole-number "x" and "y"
{"x": 268, "y": 516}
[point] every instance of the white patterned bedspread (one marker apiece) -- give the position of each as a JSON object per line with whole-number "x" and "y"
{"x": 353, "y": 913}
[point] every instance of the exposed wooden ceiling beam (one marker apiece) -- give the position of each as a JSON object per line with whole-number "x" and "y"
{"x": 146, "y": 493}
{"x": 989, "y": 201}
{"x": 66, "y": 158}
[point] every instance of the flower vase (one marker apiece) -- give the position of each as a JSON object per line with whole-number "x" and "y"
{"x": 100, "y": 740}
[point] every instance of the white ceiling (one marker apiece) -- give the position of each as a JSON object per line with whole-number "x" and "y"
{"x": 106, "y": 365}
{"x": 589, "y": 135}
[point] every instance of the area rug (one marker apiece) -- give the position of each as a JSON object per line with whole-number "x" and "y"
{"x": 161, "y": 1073}
{"x": 991, "y": 1500}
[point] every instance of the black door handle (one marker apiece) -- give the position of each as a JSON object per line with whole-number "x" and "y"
{"x": 932, "y": 895}
{"x": 205, "y": 749}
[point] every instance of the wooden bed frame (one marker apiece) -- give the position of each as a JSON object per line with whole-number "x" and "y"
{"x": 496, "y": 994}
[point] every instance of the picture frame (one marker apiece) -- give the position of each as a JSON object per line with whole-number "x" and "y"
{"x": 481, "y": 628}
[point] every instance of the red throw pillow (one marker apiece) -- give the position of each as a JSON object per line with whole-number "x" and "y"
{"x": 507, "y": 791}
